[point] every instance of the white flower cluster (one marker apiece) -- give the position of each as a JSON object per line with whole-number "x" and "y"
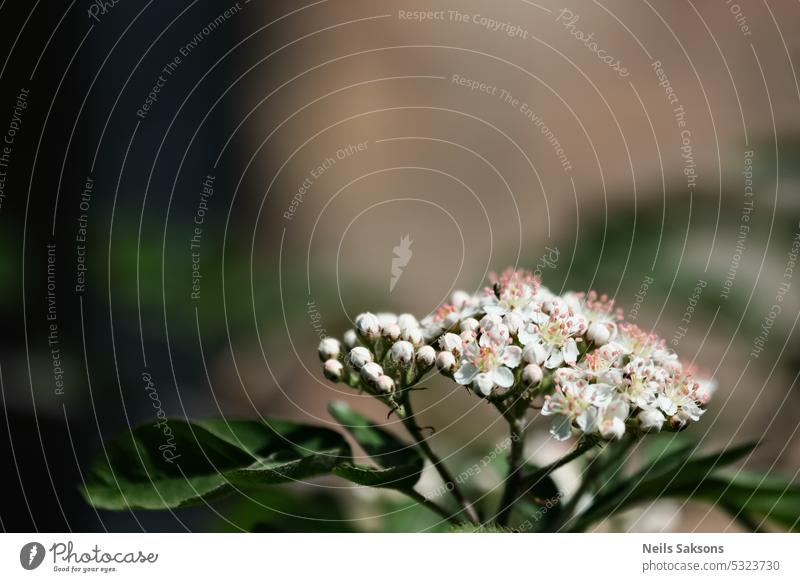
{"x": 596, "y": 373}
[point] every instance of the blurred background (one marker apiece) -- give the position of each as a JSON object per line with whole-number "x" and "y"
{"x": 197, "y": 192}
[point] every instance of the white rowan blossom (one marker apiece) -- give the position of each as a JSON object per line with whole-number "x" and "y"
{"x": 591, "y": 372}
{"x": 556, "y": 333}
{"x": 487, "y": 363}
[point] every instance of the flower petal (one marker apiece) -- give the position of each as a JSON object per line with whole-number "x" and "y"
{"x": 503, "y": 377}
{"x": 555, "y": 360}
{"x": 570, "y": 351}
{"x": 561, "y": 429}
{"x": 483, "y": 384}
{"x": 512, "y": 356}
{"x": 465, "y": 374}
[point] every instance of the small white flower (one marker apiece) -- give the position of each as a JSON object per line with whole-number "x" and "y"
{"x": 555, "y": 333}
{"x": 464, "y": 306}
{"x": 514, "y": 293}
{"x": 575, "y": 400}
{"x": 358, "y": 357}
{"x": 637, "y": 342}
{"x": 599, "y": 312}
{"x": 642, "y": 382}
{"x": 329, "y": 348}
{"x": 487, "y": 364}
{"x": 678, "y": 396}
{"x": 333, "y": 370}
{"x": 452, "y": 343}
{"x": 601, "y": 365}
{"x": 611, "y": 421}
{"x": 368, "y": 325}
{"x": 402, "y": 352}
{"x": 705, "y": 389}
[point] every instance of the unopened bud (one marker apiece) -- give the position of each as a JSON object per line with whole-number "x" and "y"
{"x": 650, "y": 419}
{"x": 391, "y": 331}
{"x": 413, "y": 335}
{"x": 385, "y": 384}
{"x": 368, "y": 325}
{"x": 679, "y": 420}
{"x": 445, "y": 362}
{"x": 534, "y": 354}
{"x": 350, "y": 339}
{"x": 407, "y": 321}
{"x": 532, "y": 375}
{"x": 426, "y": 357}
{"x": 359, "y": 356}
{"x": 598, "y": 333}
{"x": 333, "y": 370}
{"x": 370, "y": 372}
{"x": 329, "y": 348}
{"x": 402, "y": 352}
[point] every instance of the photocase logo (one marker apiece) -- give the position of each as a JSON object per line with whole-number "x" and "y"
{"x": 402, "y": 255}
{"x": 31, "y": 555}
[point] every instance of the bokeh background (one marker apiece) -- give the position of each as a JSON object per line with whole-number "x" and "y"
{"x": 489, "y": 134}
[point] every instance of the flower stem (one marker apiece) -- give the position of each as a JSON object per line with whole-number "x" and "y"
{"x": 540, "y": 474}
{"x": 596, "y": 467}
{"x": 410, "y": 423}
{"x": 517, "y": 425}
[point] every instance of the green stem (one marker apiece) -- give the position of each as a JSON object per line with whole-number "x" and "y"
{"x": 540, "y": 474}
{"x": 596, "y": 467}
{"x": 432, "y": 505}
{"x": 516, "y": 423}
{"x": 407, "y": 415}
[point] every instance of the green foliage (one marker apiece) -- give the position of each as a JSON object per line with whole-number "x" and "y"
{"x": 677, "y": 473}
{"x": 203, "y": 460}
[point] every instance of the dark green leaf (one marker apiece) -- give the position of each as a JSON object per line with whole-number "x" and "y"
{"x": 673, "y": 474}
{"x": 182, "y": 463}
{"x": 752, "y": 498}
{"x": 402, "y": 477}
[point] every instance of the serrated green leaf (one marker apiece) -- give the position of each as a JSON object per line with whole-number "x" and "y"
{"x": 207, "y": 459}
{"x": 402, "y": 477}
